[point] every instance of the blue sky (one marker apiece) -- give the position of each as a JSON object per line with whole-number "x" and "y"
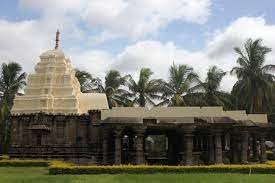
{"x": 99, "y": 35}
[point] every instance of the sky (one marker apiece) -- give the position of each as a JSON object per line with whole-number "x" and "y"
{"x": 99, "y": 35}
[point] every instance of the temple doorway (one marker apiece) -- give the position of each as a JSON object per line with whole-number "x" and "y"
{"x": 128, "y": 150}
{"x": 156, "y": 149}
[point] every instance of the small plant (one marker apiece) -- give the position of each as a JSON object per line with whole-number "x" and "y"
{"x": 4, "y": 157}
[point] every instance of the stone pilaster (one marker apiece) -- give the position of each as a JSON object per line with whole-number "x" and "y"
{"x": 244, "y": 147}
{"x": 188, "y": 148}
{"x": 263, "y": 149}
{"x": 211, "y": 150}
{"x": 255, "y": 149}
{"x": 67, "y": 132}
{"x": 218, "y": 148}
{"x": 234, "y": 148}
{"x": 187, "y": 154}
{"x": 105, "y": 146}
{"x": 20, "y": 133}
{"x": 30, "y": 139}
{"x": 53, "y": 133}
{"x": 118, "y": 139}
{"x": 171, "y": 156}
{"x": 140, "y": 146}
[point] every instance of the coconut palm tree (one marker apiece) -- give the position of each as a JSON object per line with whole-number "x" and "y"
{"x": 182, "y": 78}
{"x": 85, "y": 80}
{"x": 209, "y": 89}
{"x": 5, "y": 128}
{"x": 112, "y": 88}
{"x": 255, "y": 80}
{"x": 145, "y": 90}
{"x": 12, "y": 80}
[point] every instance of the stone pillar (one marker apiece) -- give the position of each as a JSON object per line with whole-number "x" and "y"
{"x": 20, "y": 133}
{"x": 53, "y": 133}
{"x": 171, "y": 156}
{"x": 67, "y": 132}
{"x": 263, "y": 149}
{"x": 105, "y": 147}
{"x": 30, "y": 139}
{"x": 234, "y": 149}
{"x": 187, "y": 140}
{"x": 255, "y": 149}
{"x": 218, "y": 149}
{"x": 71, "y": 131}
{"x": 118, "y": 147}
{"x": 139, "y": 146}
{"x": 188, "y": 150}
{"x": 211, "y": 150}
{"x": 244, "y": 147}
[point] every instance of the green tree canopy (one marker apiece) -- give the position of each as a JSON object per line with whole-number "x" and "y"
{"x": 145, "y": 90}
{"x": 12, "y": 79}
{"x": 255, "y": 80}
{"x": 85, "y": 80}
{"x": 210, "y": 90}
{"x": 181, "y": 80}
{"x": 113, "y": 88}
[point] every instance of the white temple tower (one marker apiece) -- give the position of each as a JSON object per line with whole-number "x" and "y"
{"x": 53, "y": 88}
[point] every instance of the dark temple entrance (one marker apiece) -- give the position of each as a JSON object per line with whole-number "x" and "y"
{"x": 161, "y": 147}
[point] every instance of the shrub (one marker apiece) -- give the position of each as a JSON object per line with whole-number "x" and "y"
{"x": 4, "y": 157}
{"x": 23, "y": 163}
{"x": 147, "y": 169}
{"x": 270, "y": 155}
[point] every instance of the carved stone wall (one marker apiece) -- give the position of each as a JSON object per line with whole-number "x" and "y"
{"x": 55, "y": 136}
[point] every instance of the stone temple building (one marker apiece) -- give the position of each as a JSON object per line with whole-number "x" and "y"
{"x": 54, "y": 120}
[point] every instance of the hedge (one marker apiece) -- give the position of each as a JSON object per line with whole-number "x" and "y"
{"x": 23, "y": 163}
{"x": 57, "y": 168}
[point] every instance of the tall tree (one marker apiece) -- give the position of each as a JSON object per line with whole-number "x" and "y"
{"x": 210, "y": 89}
{"x": 12, "y": 79}
{"x": 181, "y": 80}
{"x": 4, "y": 128}
{"x": 145, "y": 90}
{"x": 85, "y": 80}
{"x": 112, "y": 88}
{"x": 255, "y": 80}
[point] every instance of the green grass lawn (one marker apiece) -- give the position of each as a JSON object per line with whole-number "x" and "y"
{"x": 38, "y": 175}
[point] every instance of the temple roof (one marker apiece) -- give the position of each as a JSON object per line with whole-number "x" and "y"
{"x": 181, "y": 114}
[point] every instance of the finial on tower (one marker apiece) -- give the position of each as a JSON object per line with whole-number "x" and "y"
{"x": 57, "y": 39}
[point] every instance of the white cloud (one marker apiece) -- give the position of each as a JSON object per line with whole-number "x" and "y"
{"x": 237, "y": 32}
{"x": 124, "y": 18}
{"x": 50, "y": 8}
{"x": 140, "y": 18}
{"x": 97, "y": 62}
{"x": 24, "y": 41}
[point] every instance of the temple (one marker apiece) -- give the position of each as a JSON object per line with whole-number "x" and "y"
{"x": 54, "y": 120}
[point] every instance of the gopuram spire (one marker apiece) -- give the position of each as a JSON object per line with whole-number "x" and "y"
{"x": 57, "y": 39}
